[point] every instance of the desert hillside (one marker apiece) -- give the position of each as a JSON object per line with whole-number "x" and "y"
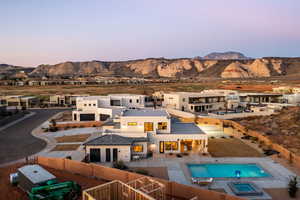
{"x": 171, "y": 68}
{"x": 282, "y": 128}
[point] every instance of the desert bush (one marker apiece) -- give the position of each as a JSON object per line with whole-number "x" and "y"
{"x": 120, "y": 165}
{"x": 179, "y": 155}
{"x": 142, "y": 171}
{"x": 292, "y": 187}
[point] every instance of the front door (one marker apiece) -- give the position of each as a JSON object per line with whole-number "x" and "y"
{"x": 161, "y": 147}
{"x": 95, "y": 155}
{"x": 107, "y": 155}
{"x": 115, "y": 155}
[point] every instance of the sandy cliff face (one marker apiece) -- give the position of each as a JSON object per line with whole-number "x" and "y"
{"x": 185, "y": 67}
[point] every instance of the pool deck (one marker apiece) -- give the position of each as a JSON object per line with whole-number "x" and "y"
{"x": 178, "y": 171}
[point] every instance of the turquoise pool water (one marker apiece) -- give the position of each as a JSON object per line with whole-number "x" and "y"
{"x": 244, "y": 187}
{"x": 227, "y": 170}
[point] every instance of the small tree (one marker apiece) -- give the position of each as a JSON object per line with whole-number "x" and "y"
{"x": 293, "y": 187}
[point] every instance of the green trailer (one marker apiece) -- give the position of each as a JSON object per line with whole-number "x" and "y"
{"x": 53, "y": 190}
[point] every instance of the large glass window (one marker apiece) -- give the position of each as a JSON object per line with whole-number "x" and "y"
{"x": 171, "y": 146}
{"x": 148, "y": 126}
{"x": 162, "y": 125}
{"x": 132, "y": 123}
{"x": 137, "y": 148}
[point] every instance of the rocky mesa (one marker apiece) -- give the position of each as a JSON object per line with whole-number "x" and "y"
{"x": 172, "y": 68}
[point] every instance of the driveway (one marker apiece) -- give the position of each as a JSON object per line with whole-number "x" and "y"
{"x": 16, "y": 141}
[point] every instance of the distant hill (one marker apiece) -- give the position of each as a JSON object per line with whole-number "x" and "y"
{"x": 183, "y": 67}
{"x": 230, "y": 55}
{"x": 12, "y": 71}
{"x": 214, "y": 65}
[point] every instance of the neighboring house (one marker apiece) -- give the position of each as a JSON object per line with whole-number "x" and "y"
{"x": 22, "y": 101}
{"x": 100, "y": 108}
{"x": 194, "y": 102}
{"x": 138, "y": 132}
{"x": 64, "y": 100}
{"x": 260, "y": 98}
{"x": 292, "y": 98}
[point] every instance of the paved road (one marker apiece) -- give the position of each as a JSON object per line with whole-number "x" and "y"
{"x": 16, "y": 142}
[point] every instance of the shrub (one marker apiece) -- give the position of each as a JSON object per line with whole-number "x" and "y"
{"x": 53, "y": 129}
{"x": 212, "y": 137}
{"x": 179, "y": 155}
{"x": 142, "y": 171}
{"x": 120, "y": 165}
{"x": 170, "y": 154}
{"x": 231, "y": 136}
{"x": 293, "y": 187}
{"x": 94, "y": 125}
{"x": 185, "y": 153}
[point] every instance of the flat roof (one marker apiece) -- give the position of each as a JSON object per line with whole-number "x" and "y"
{"x": 36, "y": 174}
{"x": 185, "y": 128}
{"x": 259, "y": 94}
{"x": 198, "y": 94}
{"x": 126, "y": 94}
{"x": 145, "y": 113}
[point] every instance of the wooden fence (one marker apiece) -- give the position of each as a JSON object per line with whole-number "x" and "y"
{"x": 173, "y": 189}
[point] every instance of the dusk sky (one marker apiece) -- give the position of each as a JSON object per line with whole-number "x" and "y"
{"x": 34, "y": 32}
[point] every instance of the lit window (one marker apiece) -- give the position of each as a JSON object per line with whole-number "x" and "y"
{"x": 137, "y": 148}
{"x": 148, "y": 126}
{"x": 162, "y": 125}
{"x": 132, "y": 123}
{"x": 171, "y": 146}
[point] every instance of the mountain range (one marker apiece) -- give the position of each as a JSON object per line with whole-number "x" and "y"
{"x": 218, "y": 65}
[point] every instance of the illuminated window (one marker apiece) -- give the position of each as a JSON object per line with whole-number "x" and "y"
{"x": 132, "y": 123}
{"x": 162, "y": 125}
{"x": 137, "y": 148}
{"x": 171, "y": 146}
{"x": 148, "y": 126}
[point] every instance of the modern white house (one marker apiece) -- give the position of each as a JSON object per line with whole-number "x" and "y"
{"x": 100, "y": 108}
{"x": 194, "y": 102}
{"x": 138, "y": 132}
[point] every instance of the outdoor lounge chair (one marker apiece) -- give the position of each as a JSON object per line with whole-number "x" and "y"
{"x": 202, "y": 181}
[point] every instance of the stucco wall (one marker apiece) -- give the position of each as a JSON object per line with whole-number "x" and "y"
{"x": 124, "y": 152}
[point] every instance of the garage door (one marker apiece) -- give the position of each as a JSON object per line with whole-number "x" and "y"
{"x": 87, "y": 117}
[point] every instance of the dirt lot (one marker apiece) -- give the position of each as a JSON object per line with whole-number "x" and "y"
{"x": 72, "y": 138}
{"x": 158, "y": 172}
{"x": 8, "y": 192}
{"x": 282, "y": 128}
{"x": 138, "y": 89}
{"x": 281, "y": 194}
{"x": 231, "y": 147}
{"x": 66, "y": 147}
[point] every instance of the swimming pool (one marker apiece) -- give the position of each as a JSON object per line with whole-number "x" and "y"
{"x": 221, "y": 170}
